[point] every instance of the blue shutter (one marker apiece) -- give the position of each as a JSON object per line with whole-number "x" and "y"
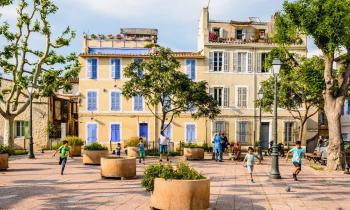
{"x": 190, "y": 133}
{"x": 115, "y": 133}
{"x": 191, "y": 69}
{"x": 138, "y": 103}
{"x": 167, "y": 131}
{"x": 115, "y": 68}
{"x": 140, "y": 70}
{"x": 115, "y": 101}
{"x": 92, "y": 68}
{"x": 92, "y": 101}
{"x": 92, "y": 133}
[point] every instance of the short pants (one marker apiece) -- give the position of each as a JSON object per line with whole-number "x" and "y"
{"x": 297, "y": 165}
{"x": 163, "y": 148}
{"x": 142, "y": 154}
{"x": 250, "y": 168}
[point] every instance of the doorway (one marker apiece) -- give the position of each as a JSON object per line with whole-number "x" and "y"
{"x": 143, "y": 130}
{"x": 265, "y": 134}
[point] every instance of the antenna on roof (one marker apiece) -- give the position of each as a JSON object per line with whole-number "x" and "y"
{"x": 208, "y": 3}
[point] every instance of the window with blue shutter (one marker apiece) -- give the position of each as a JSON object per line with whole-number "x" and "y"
{"x": 138, "y": 103}
{"x": 190, "y": 133}
{"x": 91, "y": 133}
{"x": 167, "y": 131}
{"x": 92, "y": 101}
{"x": 115, "y": 133}
{"x": 167, "y": 103}
{"x": 191, "y": 69}
{"x": 115, "y": 63}
{"x": 139, "y": 70}
{"x": 115, "y": 101}
{"x": 92, "y": 68}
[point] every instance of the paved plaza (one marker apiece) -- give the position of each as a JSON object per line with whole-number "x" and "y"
{"x": 37, "y": 184}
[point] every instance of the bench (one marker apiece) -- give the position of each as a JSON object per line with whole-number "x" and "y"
{"x": 315, "y": 157}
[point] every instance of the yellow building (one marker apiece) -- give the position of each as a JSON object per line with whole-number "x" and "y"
{"x": 104, "y": 114}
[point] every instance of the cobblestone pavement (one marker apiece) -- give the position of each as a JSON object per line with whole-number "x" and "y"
{"x": 37, "y": 184}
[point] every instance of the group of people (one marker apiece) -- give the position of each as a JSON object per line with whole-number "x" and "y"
{"x": 220, "y": 143}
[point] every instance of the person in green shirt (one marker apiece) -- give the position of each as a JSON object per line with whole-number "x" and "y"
{"x": 64, "y": 151}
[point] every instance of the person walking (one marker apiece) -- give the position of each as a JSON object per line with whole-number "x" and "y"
{"x": 141, "y": 146}
{"x": 163, "y": 144}
{"x": 224, "y": 143}
{"x": 249, "y": 162}
{"x": 119, "y": 148}
{"x": 298, "y": 153}
{"x": 64, "y": 151}
{"x": 217, "y": 147}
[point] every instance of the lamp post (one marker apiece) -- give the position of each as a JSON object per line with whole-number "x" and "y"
{"x": 260, "y": 96}
{"x": 31, "y": 149}
{"x": 275, "y": 173}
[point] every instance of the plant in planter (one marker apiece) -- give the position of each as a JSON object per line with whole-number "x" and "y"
{"x": 193, "y": 152}
{"x": 110, "y": 36}
{"x": 118, "y": 167}
{"x": 76, "y": 143}
{"x": 131, "y": 145}
{"x": 93, "y": 153}
{"x": 93, "y": 36}
{"x": 176, "y": 188}
{"x": 5, "y": 152}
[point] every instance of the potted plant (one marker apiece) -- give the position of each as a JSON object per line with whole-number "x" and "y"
{"x": 93, "y": 36}
{"x": 118, "y": 167}
{"x": 5, "y": 152}
{"x": 76, "y": 143}
{"x": 174, "y": 189}
{"x": 93, "y": 153}
{"x": 193, "y": 152}
{"x": 110, "y": 36}
{"x": 131, "y": 145}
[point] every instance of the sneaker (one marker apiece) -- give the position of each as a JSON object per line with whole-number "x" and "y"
{"x": 295, "y": 177}
{"x": 252, "y": 181}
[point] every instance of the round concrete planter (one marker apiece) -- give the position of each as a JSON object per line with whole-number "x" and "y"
{"x": 180, "y": 194}
{"x": 118, "y": 167}
{"x": 76, "y": 150}
{"x": 194, "y": 153}
{"x": 133, "y": 151}
{"x": 4, "y": 161}
{"x": 93, "y": 157}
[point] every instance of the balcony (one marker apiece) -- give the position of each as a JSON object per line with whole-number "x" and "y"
{"x": 214, "y": 38}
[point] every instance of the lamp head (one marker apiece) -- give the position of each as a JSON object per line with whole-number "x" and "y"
{"x": 260, "y": 94}
{"x": 30, "y": 88}
{"x": 276, "y": 66}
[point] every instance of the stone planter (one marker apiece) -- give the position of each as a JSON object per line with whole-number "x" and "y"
{"x": 93, "y": 157}
{"x": 194, "y": 153}
{"x": 180, "y": 194}
{"x": 76, "y": 150}
{"x": 133, "y": 151}
{"x": 4, "y": 161}
{"x": 118, "y": 167}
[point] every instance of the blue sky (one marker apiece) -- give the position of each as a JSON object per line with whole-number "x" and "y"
{"x": 177, "y": 20}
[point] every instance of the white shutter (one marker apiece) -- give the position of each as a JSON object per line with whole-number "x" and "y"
{"x": 235, "y": 62}
{"x": 258, "y": 62}
{"x": 226, "y": 97}
{"x": 113, "y": 65}
{"x": 221, "y": 33}
{"x": 211, "y": 61}
{"x": 239, "y": 97}
{"x": 211, "y": 92}
{"x": 250, "y": 63}
{"x": 226, "y": 61}
{"x": 89, "y": 69}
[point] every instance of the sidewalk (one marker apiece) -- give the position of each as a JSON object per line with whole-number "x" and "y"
{"x": 36, "y": 184}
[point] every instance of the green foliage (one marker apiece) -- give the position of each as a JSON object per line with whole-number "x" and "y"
{"x": 74, "y": 141}
{"x": 20, "y": 152}
{"x": 95, "y": 146}
{"x": 156, "y": 153}
{"x": 207, "y": 148}
{"x": 6, "y": 149}
{"x": 51, "y": 130}
{"x": 162, "y": 84}
{"x": 36, "y": 63}
{"x": 166, "y": 171}
{"x": 134, "y": 141}
{"x": 191, "y": 145}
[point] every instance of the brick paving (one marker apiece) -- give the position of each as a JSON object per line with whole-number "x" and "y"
{"x": 37, "y": 184}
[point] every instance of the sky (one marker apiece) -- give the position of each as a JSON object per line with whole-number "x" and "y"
{"x": 176, "y": 20}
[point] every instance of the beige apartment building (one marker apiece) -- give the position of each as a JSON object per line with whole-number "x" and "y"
{"x": 235, "y": 52}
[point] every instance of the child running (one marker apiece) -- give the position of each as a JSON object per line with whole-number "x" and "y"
{"x": 119, "y": 148}
{"x": 141, "y": 146}
{"x": 250, "y": 162}
{"x": 298, "y": 153}
{"x": 64, "y": 151}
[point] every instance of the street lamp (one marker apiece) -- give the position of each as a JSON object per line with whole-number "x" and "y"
{"x": 260, "y": 96}
{"x": 275, "y": 173}
{"x": 31, "y": 149}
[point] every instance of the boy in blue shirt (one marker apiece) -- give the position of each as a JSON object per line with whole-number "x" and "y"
{"x": 298, "y": 153}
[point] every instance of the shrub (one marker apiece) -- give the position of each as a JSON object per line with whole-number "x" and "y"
{"x": 20, "y": 152}
{"x": 95, "y": 146}
{"x": 133, "y": 142}
{"x": 166, "y": 171}
{"x": 74, "y": 141}
{"x": 156, "y": 153}
{"x": 207, "y": 148}
{"x": 6, "y": 149}
{"x": 191, "y": 145}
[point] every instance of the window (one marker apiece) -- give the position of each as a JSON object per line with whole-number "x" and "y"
{"x": 218, "y": 57}
{"x": 115, "y": 101}
{"x": 92, "y": 101}
{"x": 220, "y": 126}
{"x": 219, "y": 61}
{"x": 92, "y": 68}
{"x": 239, "y": 34}
{"x": 260, "y": 62}
{"x": 262, "y": 33}
{"x": 242, "y": 131}
{"x": 21, "y": 128}
{"x": 217, "y": 31}
{"x": 344, "y": 136}
{"x": 139, "y": 70}
{"x": 190, "y": 133}
{"x": 242, "y": 97}
{"x": 138, "y": 103}
{"x": 242, "y": 62}
{"x": 218, "y": 95}
{"x": 91, "y": 133}
{"x": 221, "y": 95}
{"x": 115, "y": 132}
{"x": 288, "y": 132}
{"x": 191, "y": 69}
{"x": 167, "y": 131}
{"x": 115, "y": 65}
{"x": 167, "y": 103}
{"x": 346, "y": 108}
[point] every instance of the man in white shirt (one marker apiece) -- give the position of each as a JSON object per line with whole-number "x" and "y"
{"x": 163, "y": 143}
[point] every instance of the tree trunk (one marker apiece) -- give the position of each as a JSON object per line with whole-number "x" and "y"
{"x": 8, "y": 132}
{"x": 335, "y": 157}
{"x": 301, "y": 130}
